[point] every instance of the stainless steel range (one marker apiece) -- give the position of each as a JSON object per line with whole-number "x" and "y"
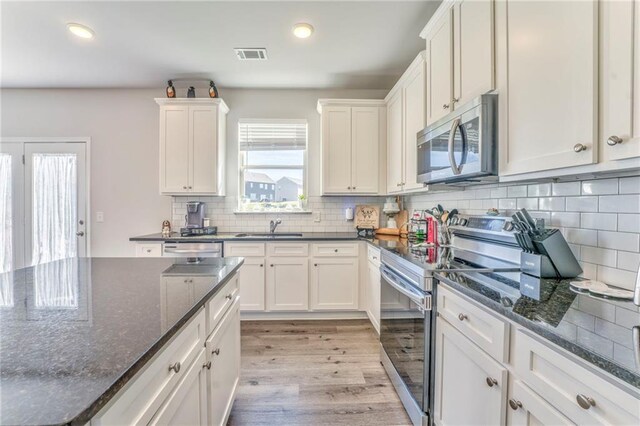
{"x": 483, "y": 248}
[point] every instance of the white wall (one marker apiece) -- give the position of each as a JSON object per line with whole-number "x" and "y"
{"x": 123, "y": 126}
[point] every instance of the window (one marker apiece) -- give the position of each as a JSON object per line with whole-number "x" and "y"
{"x": 273, "y": 157}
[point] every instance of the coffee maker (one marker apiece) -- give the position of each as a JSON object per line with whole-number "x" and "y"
{"x": 194, "y": 221}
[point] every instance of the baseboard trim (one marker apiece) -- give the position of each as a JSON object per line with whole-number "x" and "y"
{"x": 302, "y": 315}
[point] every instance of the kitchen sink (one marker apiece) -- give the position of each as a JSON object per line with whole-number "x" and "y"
{"x": 269, "y": 235}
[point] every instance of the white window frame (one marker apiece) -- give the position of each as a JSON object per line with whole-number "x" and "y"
{"x": 242, "y": 160}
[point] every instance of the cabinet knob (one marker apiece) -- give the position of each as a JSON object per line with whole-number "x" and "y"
{"x": 190, "y": 187}
{"x": 585, "y": 402}
{"x": 207, "y": 365}
{"x": 491, "y": 382}
{"x": 216, "y": 352}
{"x": 398, "y": 184}
{"x": 335, "y": 250}
{"x": 186, "y": 280}
{"x": 456, "y": 100}
{"x": 515, "y": 404}
{"x": 614, "y": 140}
{"x": 148, "y": 250}
{"x": 271, "y": 265}
{"x": 184, "y": 187}
{"x": 315, "y": 264}
{"x": 579, "y": 147}
{"x": 80, "y": 233}
{"x": 445, "y": 106}
{"x": 348, "y": 187}
{"x": 262, "y": 265}
{"x": 175, "y": 367}
{"x": 462, "y": 317}
{"x": 228, "y": 296}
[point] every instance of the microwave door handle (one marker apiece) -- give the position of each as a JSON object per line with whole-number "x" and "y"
{"x": 452, "y": 135}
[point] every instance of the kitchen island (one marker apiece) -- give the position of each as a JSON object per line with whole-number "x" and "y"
{"x": 78, "y": 333}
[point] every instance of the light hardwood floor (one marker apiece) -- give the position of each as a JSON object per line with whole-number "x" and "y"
{"x": 313, "y": 373}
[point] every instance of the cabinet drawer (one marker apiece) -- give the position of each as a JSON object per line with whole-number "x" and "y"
{"x": 218, "y": 305}
{"x": 138, "y": 403}
{"x": 531, "y": 408}
{"x": 148, "y": 250}
{"x": 483, "y": 328}
{"x": 563, "y": 382}
{"x": 335, "y": 249}
{"x": 287, "y": 249}
{"x": 244, "y": 249}
{"x": 373, "y": 254}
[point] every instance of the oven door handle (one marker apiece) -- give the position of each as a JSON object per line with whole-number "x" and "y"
{"x": 452, "y": 134}
{"x": 422, "y": 300}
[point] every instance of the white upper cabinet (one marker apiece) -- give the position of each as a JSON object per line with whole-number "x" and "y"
{"x": 406, "y": 116}
{"x": 352, "y": 139}
{"x": 460, "y": 55}
{"x": 619, "y": 80}
{"x": 548, "y": 88}
{"x": 192, "y": 142}
{"x": 473, "y": 60}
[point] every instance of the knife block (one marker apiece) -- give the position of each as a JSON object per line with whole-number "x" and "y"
{"x": 537, "y": 265}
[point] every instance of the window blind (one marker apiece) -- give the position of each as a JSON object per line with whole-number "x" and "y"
{"x": 272, "y": 135}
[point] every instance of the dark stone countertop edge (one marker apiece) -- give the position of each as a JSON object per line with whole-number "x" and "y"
{"x": 310, "y": 236}
{"x": 87, "y": 414}
{"x": 590, "y": 358}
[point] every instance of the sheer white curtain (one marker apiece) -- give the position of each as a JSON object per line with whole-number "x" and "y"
{"x": 6, "y": 237}
{"x": 55, "y": 215}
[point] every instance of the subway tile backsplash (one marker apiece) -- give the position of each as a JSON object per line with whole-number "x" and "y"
{"x": 600, "y": 218}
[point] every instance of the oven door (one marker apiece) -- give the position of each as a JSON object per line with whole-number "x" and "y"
{"x": 405, "y": 333}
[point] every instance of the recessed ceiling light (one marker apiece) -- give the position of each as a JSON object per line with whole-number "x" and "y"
{"x": 302, "y": 30}
{"x": 80, "y": 30}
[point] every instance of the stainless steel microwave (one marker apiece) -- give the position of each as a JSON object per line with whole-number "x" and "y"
{"x": 462, "y": 147}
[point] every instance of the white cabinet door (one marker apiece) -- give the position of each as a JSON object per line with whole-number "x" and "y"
{"x": 365, "y": 146}
{"x": 526, "y": 408}
{"x": 334, "y": 283}
{"x": 551, "y": 78}
{"x": 174, "y": 148}
{"x": 619, "y": 79}
{"x": 414, "y": 122}
{"x": 395, "y": 153}
{"x": 204, "y": 145}
{"x": 336, "y": 150}
{"x": 288, "y": 284}
{"x": 439, "y": 69}
{"x": 473, "y": 60}
{"x": 470, "y": 387}
{"x": 373, "y": 295}
{"x": 187, "y": 405}
{"x": 252, "y": 284}
{"x": 223, "y": 350}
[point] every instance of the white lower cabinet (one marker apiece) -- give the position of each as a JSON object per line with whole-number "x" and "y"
{"x": 252, "y": 284}
{"x": 373, "y": 294}
{"x": 470, "y": 387}
{"x": 288, "y": 284}
{"x": 223, "y": 367}
{"x": 526, "y": 408}
{"x": 334, "y": 283}
{"x": 187, "y": 405}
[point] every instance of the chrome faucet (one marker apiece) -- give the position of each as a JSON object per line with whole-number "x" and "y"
{"x": 274, "y": 224}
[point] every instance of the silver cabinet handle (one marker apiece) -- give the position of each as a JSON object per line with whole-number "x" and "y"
{"x": 491, "y": 382}
{"x": 585, "y": 402}
{"x": 80, "y": 233}
{"x": 462, "y": 317}
{"x": 614, "y": 140}
{"x": 445, "y": 106}
{"x": 452, "y": 158}
{"x": 515, "y": 404}
{"x": 579, "y": 147}
{"x": 207, "y": 365}
{"x": 216, "y": 351}
{"x": 175, "y": 367}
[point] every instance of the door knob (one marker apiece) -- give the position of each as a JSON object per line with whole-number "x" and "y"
{"x": 491, "y": 382}
{"x": 614, "y": 140}
{"x": 80, "y": 233}
{"x": 579, "y": 147}
{"x": 515, "y": 404}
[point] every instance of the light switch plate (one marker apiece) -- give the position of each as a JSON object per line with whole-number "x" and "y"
{"x": 316, "y": 217}
{"x": 99, "y": 217}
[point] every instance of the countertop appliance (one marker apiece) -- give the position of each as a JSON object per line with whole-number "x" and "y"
{"x": 462, "y": 147}
{"x": 193, "y": 252}
{"x": 483, "y": 247}
{"x": 195, "y": 215}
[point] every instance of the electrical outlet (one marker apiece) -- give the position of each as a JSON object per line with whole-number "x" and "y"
{"x": 99, "y": 217}
{"x": 316, "y": 217}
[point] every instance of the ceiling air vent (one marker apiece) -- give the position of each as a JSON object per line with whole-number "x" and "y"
{"x": 251, "y": 54}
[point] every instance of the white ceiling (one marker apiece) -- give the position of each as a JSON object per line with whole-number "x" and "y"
{"x": 356, "y": 44}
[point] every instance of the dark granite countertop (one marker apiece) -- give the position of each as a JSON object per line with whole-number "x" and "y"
{"x": 306, "y": 236}
{"x": 600, "y": 331}
{"x": 73, "y": 332}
